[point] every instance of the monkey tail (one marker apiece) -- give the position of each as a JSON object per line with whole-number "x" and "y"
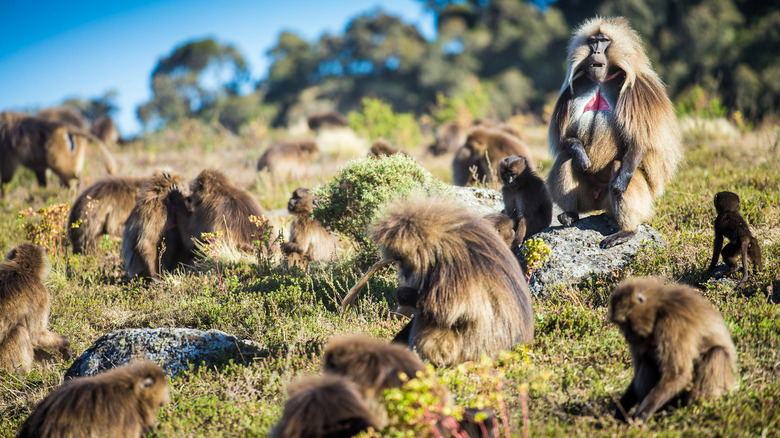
{"x": 351, "y": 297}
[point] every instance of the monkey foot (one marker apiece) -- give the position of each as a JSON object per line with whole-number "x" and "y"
{"x": 616, "y": 239}
{"x": 568, "y": 218}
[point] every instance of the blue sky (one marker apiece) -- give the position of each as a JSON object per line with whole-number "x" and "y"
{"x": 52, "y": 51}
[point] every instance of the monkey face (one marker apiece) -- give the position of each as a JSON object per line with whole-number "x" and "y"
{"x": 302, "y": 201}
{"x": 632, "y": 307}
{"x": 65, "y": 154}
{"x": 597, "y": 61}
{"x": 726, "y": 201}
{"x": 510, "y": 168}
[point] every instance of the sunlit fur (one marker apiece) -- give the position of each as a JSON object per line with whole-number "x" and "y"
{"x": 677, "y": 341}
{"x": 641, "y": 122}
{"x": 219, "y": 205}
{"x": 324, "y": 407}
{"x": 288, "y": 158}
{"x": 122, "y": 402}
{"x": 484, "y": 149}
{"x": 526, "y": 199}
{"x": 40, "y": 144}
{"x": 473, "y": 299}
{"x": 730, "y": 224}
{"x": 149, "y": 224}
{"x": 102, "y": 209}
{"x": 309, "y": 240}
{"x": 24, "y": 309}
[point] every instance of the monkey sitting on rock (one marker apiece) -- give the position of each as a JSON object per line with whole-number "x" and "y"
{"x": 526, "y": 199}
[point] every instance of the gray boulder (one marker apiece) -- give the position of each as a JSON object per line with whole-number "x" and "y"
{"x": 171, "y": 348}
{"x": 480, "y": 201}
{"x": 575, "y": 251}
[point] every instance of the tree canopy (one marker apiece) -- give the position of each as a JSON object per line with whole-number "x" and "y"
{"x": 513, "y": 52}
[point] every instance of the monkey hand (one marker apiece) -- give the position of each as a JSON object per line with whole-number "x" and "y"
{"x": 579, "y": 159}
{"x": 619, "y": 184}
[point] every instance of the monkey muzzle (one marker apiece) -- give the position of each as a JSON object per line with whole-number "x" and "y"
{"x": 597, "y": 68}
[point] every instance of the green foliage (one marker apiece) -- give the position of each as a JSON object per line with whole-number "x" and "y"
{"x": 353, "y": 198}
{"x": 471, "y": 103}
{"x": 377, "y": 120}
{"x": 179, "y": 82}
{"x": 698, "y": 103}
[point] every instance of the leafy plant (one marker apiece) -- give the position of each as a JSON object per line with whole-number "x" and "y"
{"x": 46, "y": 226}
{"x": 353, "y": 198}
{"x": 376, "y": 119}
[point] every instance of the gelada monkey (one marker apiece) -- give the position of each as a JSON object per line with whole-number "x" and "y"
{"x": 102, "y": 209}
{"x": 309, "y": 240}
{"x": 612, "y": 108}
{"x": 325, "y": 407}
{"x": 122, "y": 402}
{"x": 288, "y": 158}
{"x": 677, "y": 341}
{"x": 731, "y": 225}
{"x": 375, "y": 366}
{"x": 40, "y": 144}
{"x": 24, "y": 309}
{"x": 466, "y": 286}
{"x": 151, "y": 241}
{"x": 526, "y": 199}
{"x": 479, "y": 156}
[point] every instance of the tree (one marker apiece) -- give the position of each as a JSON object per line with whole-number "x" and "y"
{"x": 191, "y": 80}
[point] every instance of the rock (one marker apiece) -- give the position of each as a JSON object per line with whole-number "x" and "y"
{"x": 576, "y": 252}
{"x": 481, "y": 201}
{"x": 171, "y": 348}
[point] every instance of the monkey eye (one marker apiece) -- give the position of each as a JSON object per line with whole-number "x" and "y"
{"x": 641, "y": 299}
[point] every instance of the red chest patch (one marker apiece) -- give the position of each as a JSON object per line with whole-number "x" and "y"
{"x": 597, "y": 103}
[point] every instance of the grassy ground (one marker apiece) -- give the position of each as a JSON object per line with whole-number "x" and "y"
{"x": 577, "y": 365}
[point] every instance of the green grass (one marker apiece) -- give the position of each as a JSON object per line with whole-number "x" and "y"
{"x": 577, "y": 365}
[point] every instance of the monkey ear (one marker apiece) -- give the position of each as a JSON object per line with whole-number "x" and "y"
{"x": 147, "y": 383}
{"x": 640, "y": 297}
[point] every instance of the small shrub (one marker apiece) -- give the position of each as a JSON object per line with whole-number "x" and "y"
{"x": 46, "y": 227}
{"x": 377, "y": 120}
{"x": 696, "y": 102}
{"x": 353, "y": 198}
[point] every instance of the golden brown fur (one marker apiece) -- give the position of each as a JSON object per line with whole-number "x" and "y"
{"x": 102, "y": 208}
{"x": 449, "y": 137}
{"x": 65, "y": 115}
{"x": 326, "y": 120}
{"x": 612, "y": 108}
{"x": 39, "y": 144}
{"x": 122, "y": 402}
{"x": 509, "y": 129}
{"x": 73, "y": 118}
{"x": 288, "y": 158}
{"x": 24, "y": 309}
{"x": 381, "y": 148}
{"x": 731, "y": 225}
{"x": 105, "y": 129}
{"x": 152, "y": 222}
{"x": 484, "y": 149}
{"x": 375, "y": 366}
{"x": 326, "y": 407}
{"x": 677, "y": 341}
{"x": 309, "y": 240}
{"x": 526, "y": 199}
{"x": 218, "y": 205}
{"x": 471, "y": 298}
{"x": 504, "y": 226}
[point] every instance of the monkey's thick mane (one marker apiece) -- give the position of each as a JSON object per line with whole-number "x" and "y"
{"x": 449, "y": 247}
{"x": 626, "y": 51}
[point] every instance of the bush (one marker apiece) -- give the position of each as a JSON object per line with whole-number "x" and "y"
{"x": 353, "y": 198}
{"x": 377, "y": 120}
